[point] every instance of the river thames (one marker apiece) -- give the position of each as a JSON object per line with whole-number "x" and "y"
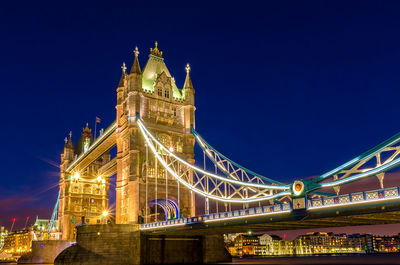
{"x": 315, "y": 260}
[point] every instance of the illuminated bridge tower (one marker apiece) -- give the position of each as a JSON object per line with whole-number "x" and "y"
{"x": 83, "y": 195}
{"x": 141, "y": 191}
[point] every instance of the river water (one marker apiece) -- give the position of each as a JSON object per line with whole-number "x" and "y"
{"x": 366, "y": 259}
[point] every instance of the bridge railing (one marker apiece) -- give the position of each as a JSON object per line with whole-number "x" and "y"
{"x": 354, "y": 198}
{"x": 236, "y": 214}
{"x": 371, "y": 196}
{"x": 109, "y": 131}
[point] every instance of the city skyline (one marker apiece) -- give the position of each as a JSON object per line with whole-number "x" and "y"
{"x": 288, "y": 107}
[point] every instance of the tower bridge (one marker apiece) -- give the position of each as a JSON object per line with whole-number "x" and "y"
{"x": 157, "y": 178}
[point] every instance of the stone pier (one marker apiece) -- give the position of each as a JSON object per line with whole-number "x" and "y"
{"x": 44, "y": 251}
{"x": 124, "y": 244}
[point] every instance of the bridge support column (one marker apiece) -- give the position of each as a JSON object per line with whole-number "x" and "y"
{"x": 123, "y": 244}
{"x": 179, "y": 249}
{"x": 214, "y": 249}
{"x": 381, "y": 176}
{"x": 44, "y": 251}
{"x": 103, "y": 244}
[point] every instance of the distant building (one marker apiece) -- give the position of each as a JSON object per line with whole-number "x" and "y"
{"x": 245, "y": 244}
{"x": 40, "y": 228}
{"x": 3, "y": 235}
{"x": 19, "y": 242}
{"x": 386, "y": 244}
{"x": 43, "y": 224}
{"x": 313, "y": 243}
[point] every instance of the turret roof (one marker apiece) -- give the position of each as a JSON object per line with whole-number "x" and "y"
{"x": 122, "y": 80}
{"x": 136, "y": 67}
{"x": 188, "y": 81}
{"x": 154, "y": 67}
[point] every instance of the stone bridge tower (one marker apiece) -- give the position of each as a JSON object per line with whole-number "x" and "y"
{"x": 169, "y": 113}
{"x": 83, "y": 194}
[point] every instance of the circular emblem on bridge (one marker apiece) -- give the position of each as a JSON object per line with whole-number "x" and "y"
{"x": 298, "y": 187}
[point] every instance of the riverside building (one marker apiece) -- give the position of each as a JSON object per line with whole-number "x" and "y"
{"x": 315, "y": 243}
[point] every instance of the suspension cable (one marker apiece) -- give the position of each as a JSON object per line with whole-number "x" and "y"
{"x": 206, "y": 147}
{"x": 147, "y": 134}
{"x": 166, "y": 188}
{"x": 147, "y": 182}
{"x": 155, "y": 179}
{"x": 179, "y": 199}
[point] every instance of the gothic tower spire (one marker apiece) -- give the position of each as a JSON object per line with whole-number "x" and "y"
{"x": 188, "y": 81}
{"x": 188, "y": 89}
{"x": 123, "y": 76}
{"x": 135, "y": 76}
{"x": 70, "y": 144}
{"x": 136, "y": 67}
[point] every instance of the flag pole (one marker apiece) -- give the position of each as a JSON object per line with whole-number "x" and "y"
{"x": 95, "y": 125}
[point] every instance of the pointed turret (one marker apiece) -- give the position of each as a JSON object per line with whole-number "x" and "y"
{"x": 188, "y": 81}
{"x": 70, "y": 144}
{"x": 84, "y": 141}
{"x": 136, "y": 67}
{"x": 156, "y": 51}
{"x": 68, "y": 153}
{"x": 188, "y": 93}
{"x": 121, "y": 84}
{"x": 123, "y": 76}
{"x": 135, "y": 76}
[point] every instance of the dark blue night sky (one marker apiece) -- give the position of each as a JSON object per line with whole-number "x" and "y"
{"x": 290, "y": 89}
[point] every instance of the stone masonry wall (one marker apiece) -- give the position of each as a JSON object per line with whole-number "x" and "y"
{"x": 103, "y": 244}
{"x": 44, "y": 252}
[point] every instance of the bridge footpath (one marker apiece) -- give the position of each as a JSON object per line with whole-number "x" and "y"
{"x": 380, "y": 206}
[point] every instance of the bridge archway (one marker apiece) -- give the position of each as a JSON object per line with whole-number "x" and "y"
{"x": 166, "y": 209}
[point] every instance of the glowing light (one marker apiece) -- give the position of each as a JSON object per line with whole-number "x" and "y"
{"x": 352, "y": 203}
{"x": 158, "y": 224}
{"x": 298, "y": 187}
{"x": 76, "y": 176}
{"x": 171, "y": 149}
{"x": 223, "y": 199}
{"x": 105, "y": 213}
{"x": 99, "y": 179}
{"x": 371, "y": 172}
{"x": 103, "y": 181}
{"x": 146, "y": 133}
{"x": 393, "y": 140}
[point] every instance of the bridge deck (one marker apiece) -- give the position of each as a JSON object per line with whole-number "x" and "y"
{"x": 365, "y": 208}
{"x": 108, "y": 169}
{"x": 101, "y": 145}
